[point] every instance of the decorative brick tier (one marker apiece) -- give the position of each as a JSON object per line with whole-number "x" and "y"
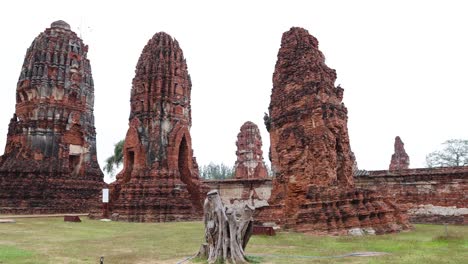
{"x": 50, "y": 164}
{"x": 159, "y": 180}
{"x": 249, "y": 163}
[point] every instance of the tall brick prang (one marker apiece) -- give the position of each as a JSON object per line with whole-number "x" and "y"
{"x": 159, "y": 180}
{"x": 49, "y": 164}
{"x": 249, "y": 163}
{"x": 313, "y": 190}
{"x": 400, "y": 160}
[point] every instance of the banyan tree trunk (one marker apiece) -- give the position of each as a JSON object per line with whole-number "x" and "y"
{"x": 227, "y": 230}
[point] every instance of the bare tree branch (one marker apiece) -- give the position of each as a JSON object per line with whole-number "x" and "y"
{"x": 454, "y": 154}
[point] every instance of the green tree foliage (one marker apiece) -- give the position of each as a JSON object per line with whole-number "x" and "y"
{"x": 115, "y": 160}
{"x": 216, "y": 171}
{"x": 454, "y": 154}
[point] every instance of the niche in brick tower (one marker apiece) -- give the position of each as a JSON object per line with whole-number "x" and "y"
{"x": 159, "y": 180}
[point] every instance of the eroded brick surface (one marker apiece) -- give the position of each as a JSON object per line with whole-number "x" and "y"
{"x": 432, "y": 195}
{"x": 249, "y": 163}
{"x": 419, "y": 189}
{"x": 313, "y": 189}
{"x": 159, "y": 180}
{"x": 49, "y": 164}
{"x": 239, "y": 192}
{"x": 400, "y": 160}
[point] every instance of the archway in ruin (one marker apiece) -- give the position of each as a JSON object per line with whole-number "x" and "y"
{"x": 73, "y": 164}
{"x": 184, "y": 162}
{"x": 130, "y": 162}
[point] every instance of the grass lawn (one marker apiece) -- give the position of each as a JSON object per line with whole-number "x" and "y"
{"x": 51, "y": 240}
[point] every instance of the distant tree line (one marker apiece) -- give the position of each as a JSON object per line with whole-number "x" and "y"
{"x": 222, "y": 171}
{"x": 216, "y": 171}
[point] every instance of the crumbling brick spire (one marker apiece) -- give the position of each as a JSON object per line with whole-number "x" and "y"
{"x": 51, "y": 134}
{"x": 249, "y": 163}
{"x": 400, "y": 160}
{"x": 313, "y": 190}
{"x": 159, "y": 180}
{"x": 307, "y": 117}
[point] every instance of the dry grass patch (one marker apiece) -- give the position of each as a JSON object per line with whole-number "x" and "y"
{"x": 50, "y": 240}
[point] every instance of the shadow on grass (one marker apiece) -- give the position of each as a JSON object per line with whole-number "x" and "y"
{"x": 451, "y": 237}
{"x": 250, "y": 259}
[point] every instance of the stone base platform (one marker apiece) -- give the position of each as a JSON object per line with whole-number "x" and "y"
{"x": 150, "y": 199}
{"x": 330, "y": 210}
{"x": 54, "y": 193}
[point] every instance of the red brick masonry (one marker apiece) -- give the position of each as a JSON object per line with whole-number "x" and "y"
{"x": 249, "y": 163}
{"x": 400, "y": 160}
{"x": 436, "y": 195}
{"x": 313, "y": 189}
{"x": 49, "y": 165}
{"x": 159, "y": 180}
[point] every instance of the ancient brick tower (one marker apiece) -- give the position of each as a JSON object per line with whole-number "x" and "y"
{"x": 249, "y": 163}
{"x": 313, "y": 189}
{"x": 49, "y": 164}
{"x": 400, "y": 160}
{"x": 159, "y": 180}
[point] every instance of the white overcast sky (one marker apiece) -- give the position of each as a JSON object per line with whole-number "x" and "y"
{"x": 403, "y": 65}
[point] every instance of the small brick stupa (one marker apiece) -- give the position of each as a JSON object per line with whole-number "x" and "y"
{"x": 49, "y": 164}
{"x": 249, "y": 163}
{"x": 400, "y": 160}
{"x": 159, "y": 181}
{"x": 313, "y": 189}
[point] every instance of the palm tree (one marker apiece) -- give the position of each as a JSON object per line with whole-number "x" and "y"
{"x": 115, "y": 160}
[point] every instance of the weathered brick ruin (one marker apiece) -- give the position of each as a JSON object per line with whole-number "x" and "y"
{"x": 400, "y": 160}
{"x": 251, "y": 184}
{"x": 49, "y": 164}
{"x": 159, "y": 180}
{"x": 313, "y": 190}
{"x": 435, "y": 195}
{"x": 238, "y": 192}
{"x": 249, "y": 163}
